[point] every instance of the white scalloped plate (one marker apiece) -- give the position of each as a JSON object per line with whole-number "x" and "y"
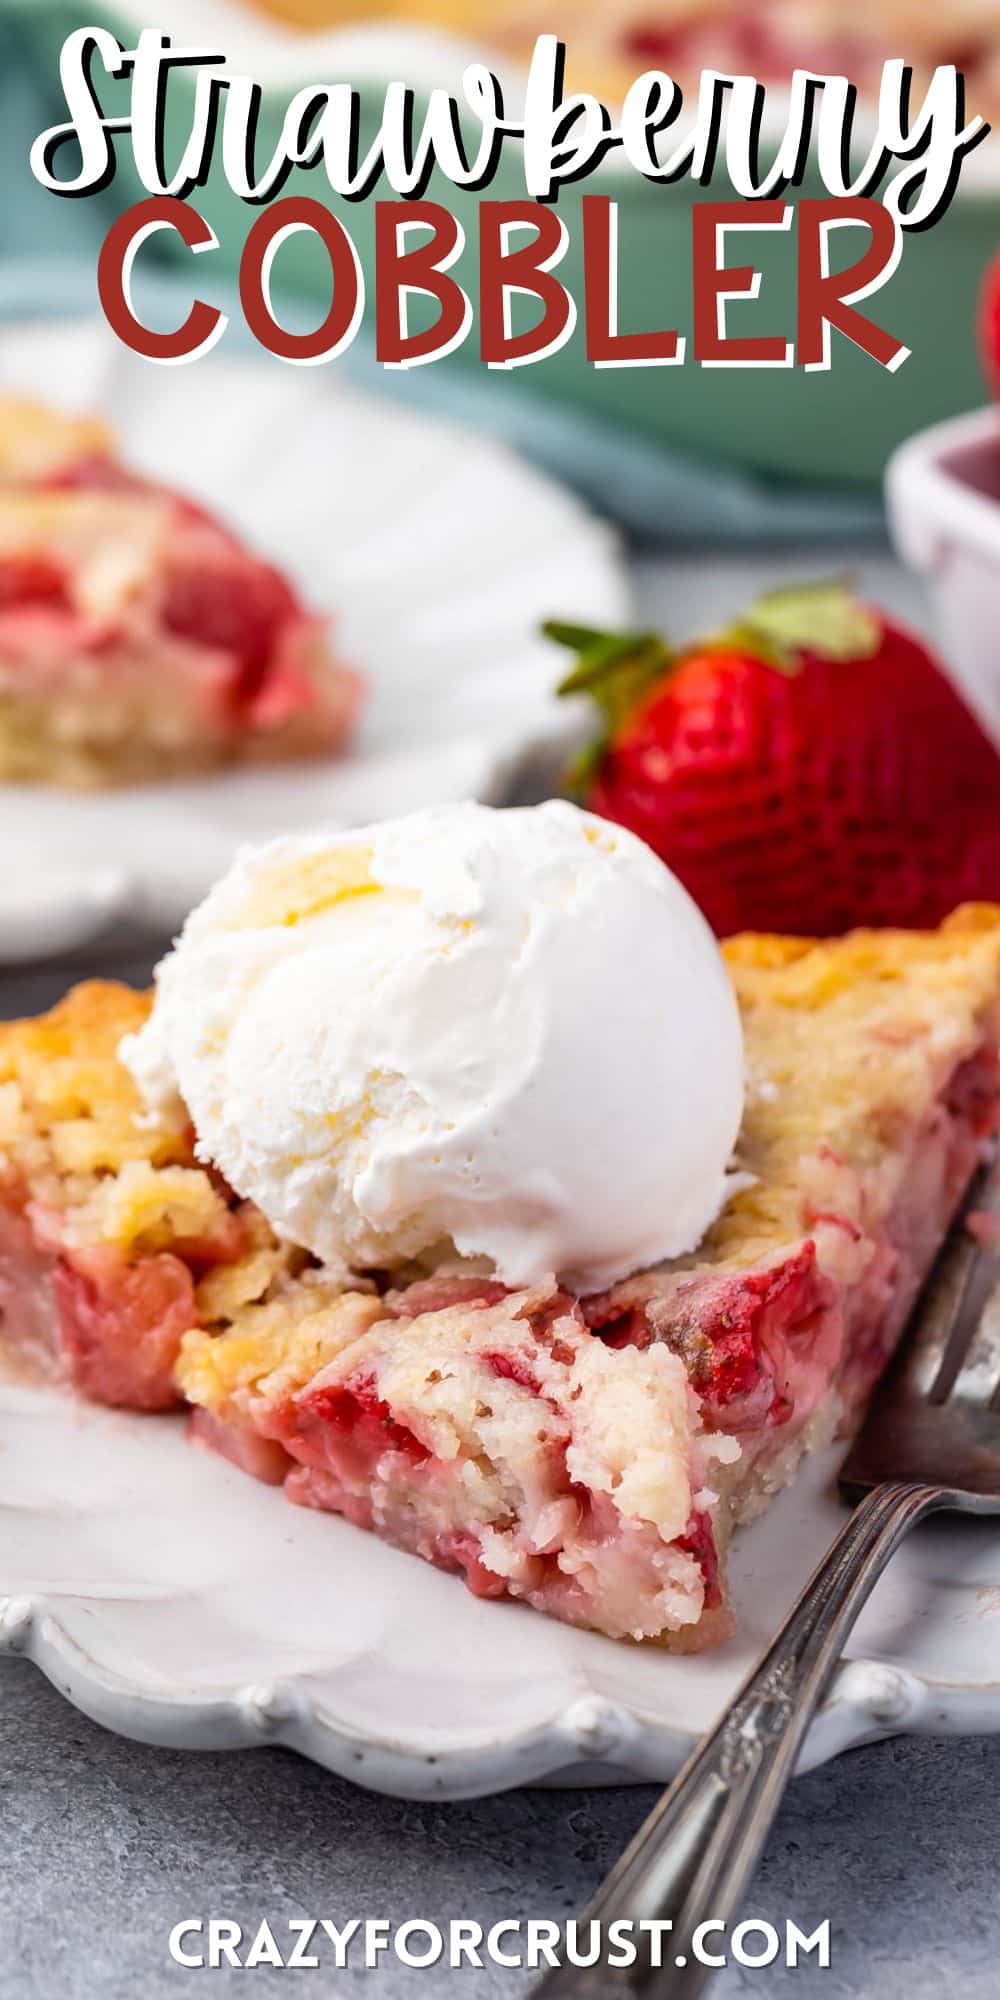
{"x": 177, "y": 1601}
{"x": 437, "y": 551}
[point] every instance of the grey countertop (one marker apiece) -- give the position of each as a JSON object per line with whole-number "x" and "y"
{"x": 107, "y": 1844}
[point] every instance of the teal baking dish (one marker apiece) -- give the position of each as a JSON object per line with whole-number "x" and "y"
{"x": 837, "y": 427}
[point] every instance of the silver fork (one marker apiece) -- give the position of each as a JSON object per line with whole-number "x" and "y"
{"x": 931, "y": 1441}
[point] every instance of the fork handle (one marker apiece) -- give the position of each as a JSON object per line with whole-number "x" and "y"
{"x": 696, "y": 1853}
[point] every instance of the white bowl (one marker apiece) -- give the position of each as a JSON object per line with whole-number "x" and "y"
{"x": 943, "y": 494}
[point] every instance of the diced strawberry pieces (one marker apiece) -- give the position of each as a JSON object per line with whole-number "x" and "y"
{"x": 357, "y": 1411}
{"x": 342, "y": 1408}
{"x": 462, "y": 1552}
{"x": 121, "y": 1325}
{"x": 760, "y": 1309}
{"x": 736, "y": 1364}
{"x": 28, "y": 580}
{"x": 744, "y": 1337}
{"x": 513, "y": 1368}
{"x": 748, "y": 1340}
{"x": 229, "y": 603}
{"x": 429, "y": 1295}
{"x": 698, "y": 1540}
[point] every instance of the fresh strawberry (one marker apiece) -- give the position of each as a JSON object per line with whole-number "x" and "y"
{"x": 807, "y": 770}
{"x": 989, "y": 325}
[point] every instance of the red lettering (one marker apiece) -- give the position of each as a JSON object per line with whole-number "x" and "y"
{"x": 424, "y": 268}
{"x": 204, "y": 323}
{"x": 826, "y": 298}
{"x": 504, "y": 271}
{"x": 606, "y": 347}
{"x": 340, "y": 325}
{"x": 714, "y": 284}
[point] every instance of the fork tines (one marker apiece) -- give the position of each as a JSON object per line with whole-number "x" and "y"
{"x": 936, "y": 1416}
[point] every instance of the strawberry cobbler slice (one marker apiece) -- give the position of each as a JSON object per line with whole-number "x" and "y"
{"x": 587, "y": 1455}
{"x": 139, "y": 638}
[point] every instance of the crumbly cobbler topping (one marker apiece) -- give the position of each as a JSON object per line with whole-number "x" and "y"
{"x": 851, "y": 1039}
{"x": 75, "y": 1139}
{"x": 846, "y": 1042}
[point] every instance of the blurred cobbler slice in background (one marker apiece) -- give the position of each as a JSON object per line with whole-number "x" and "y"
{"x": 139, "y": 637}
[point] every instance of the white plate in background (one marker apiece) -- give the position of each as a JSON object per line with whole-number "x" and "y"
{"x": 437, "y": 552}
{"x": 176, "y": 1600}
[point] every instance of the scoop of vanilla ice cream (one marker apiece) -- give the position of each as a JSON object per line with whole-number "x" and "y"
{"x": 508, "y": 1034}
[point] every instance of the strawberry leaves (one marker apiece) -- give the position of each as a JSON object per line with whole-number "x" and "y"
{"x": 614, "y": 668}
{"x": 822, "y": 618}
{"x": 617, "y": 669}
